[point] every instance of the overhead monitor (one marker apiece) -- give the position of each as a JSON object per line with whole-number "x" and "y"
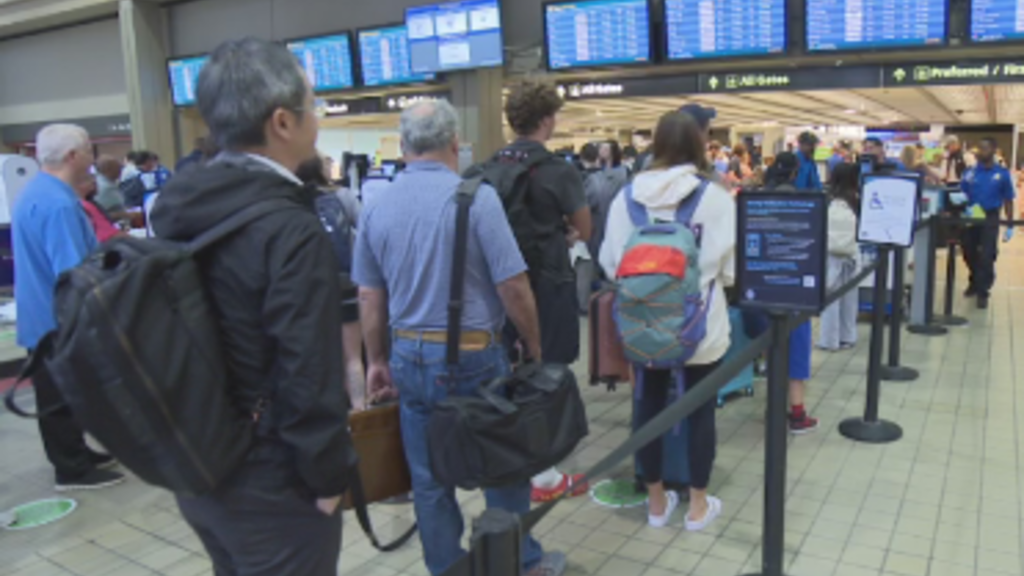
{"x": 996, "y": 20}
{"x": 384, "y": 57}
{"x": 455, "y": 36}
{"x": 327, "y": 61}
{"x": 723, "y": 28}
{"x": 184, "y": 77}
{"x": 869, "y": 24}
{"x": 597, "y": 33}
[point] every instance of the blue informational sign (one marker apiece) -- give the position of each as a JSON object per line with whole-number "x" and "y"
{"x": 384, "y": 56}
{"x": 326, "y": 60}
{"x": 782, "y": 245}
{"x": 995, "y": 20}
{"x": 721, "y": 28}
{"x": 597, "y": 33}
{"x": 860, "y": 24}
{"x": 184, "y": 76}
{"x": 455, "y": 36}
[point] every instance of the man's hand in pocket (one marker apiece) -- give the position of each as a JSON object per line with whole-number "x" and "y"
{"x": 328, "y": 506}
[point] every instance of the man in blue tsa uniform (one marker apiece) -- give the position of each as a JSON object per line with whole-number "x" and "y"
{"x": 990, "y": 187}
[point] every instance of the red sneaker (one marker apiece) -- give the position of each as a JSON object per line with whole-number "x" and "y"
{"x": 574, "y": 484}
{"x": 802, "y": 425}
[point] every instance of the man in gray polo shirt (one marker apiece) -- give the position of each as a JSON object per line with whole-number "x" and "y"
{"x": 402, "y": 263}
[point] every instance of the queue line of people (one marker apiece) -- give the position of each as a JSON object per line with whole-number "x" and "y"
{"x": 276, "y": 289}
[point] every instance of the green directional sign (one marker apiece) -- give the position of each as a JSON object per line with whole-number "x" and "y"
{"x": 899, "y": 74}
{"x": 713, "y": 82}
{"x": 952, "y": 73}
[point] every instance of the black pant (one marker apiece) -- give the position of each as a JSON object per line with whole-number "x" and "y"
{"x": 558, "y": 312}
{"x": 63, "y": 438}
{"x": 980, "y": 243}
{"x": 702, "y": 439}
{"x": 264, "y": 522}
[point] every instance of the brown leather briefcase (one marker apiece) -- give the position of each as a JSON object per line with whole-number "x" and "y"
{"x": 377, "y": 436}
{"x": 383, "y": 471}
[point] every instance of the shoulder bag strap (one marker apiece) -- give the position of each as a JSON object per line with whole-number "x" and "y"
{"x": 464, "y": 197}
{"x": 637, "y": 211}
{"x": 33, "y": 363}
{"x": 363, "y": 515}
{"x": 237, "y": 221}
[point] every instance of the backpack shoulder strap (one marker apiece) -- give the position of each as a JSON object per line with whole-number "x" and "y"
{"x": 465, "y": 194}
{"x": 236, "y": 222}
{"x": 637, "y": 211}
{"x": 688, "y": 207}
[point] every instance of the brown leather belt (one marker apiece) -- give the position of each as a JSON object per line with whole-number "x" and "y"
{"x": 474, "y": 340}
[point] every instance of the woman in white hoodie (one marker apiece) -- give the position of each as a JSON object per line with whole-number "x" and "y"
{"x": 678, "y": 158}
{"x": 839, "y": 321}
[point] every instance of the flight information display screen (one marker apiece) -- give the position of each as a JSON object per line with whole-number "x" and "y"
{"x": 384, "y": 55}
{"x": 994, "y": 20}
{"x": 861, "y": 24}
{"x": 597, "y": 33}
{"x": 184, "y": 75}
{"x": 455, "y": 36}
{"x": 721, "y": 28}
{"x": 326, "y": 60}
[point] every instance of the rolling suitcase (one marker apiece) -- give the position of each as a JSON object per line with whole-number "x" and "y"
{"x": 744, "y": 381}
{"x": 608, "y": 363}
{"x": 675, "y": 466}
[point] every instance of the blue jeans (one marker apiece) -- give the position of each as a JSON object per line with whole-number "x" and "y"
{"x": 422, "y": 376}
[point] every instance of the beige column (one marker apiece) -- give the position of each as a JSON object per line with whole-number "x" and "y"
{"x": 477, "y": 97}
{"x": 144, "y": 46}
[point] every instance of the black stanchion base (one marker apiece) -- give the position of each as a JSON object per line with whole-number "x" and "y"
{"x": 899, "y": 374}
{"x": 927, "y": 330}
{"x": 879, "y": 432}
{"x": 951, "y": 320}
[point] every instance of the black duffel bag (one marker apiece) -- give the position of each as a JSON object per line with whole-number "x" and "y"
{"x": 518, "y": 426}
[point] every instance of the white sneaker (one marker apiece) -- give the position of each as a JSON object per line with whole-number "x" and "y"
{"x": 672, "y": 502}
{"x": 714, "y": 510}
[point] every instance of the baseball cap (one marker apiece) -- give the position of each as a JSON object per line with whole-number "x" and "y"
{"x": 786, "y": 162}
{"x": 703, "y": 115}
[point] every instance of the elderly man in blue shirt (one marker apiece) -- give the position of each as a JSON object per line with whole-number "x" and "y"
{"x": 51, "y": 234}
{"x": 402, "y": 264}
{"x": 807, "y": 177}
{"x": 989, "y": 186}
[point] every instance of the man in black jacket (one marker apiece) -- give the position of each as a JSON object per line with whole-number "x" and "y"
{"x": 274, "y": 287}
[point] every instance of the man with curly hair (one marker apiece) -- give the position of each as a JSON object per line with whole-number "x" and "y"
{"x": 559, "y": 217}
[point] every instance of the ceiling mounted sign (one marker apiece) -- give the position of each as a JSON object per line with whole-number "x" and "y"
{"x": 629, "y": 87}
{"x": 792, "y": 79}
{"x": 951, "y": 73}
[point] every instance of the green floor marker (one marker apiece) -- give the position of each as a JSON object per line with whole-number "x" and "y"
{"x": 41, "y": 512}
{"x": 617, "y": 494}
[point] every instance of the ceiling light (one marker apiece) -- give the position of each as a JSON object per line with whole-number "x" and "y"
{"x": 850, "y": 111}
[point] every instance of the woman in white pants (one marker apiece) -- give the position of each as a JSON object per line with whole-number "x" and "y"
{"x": 839, "y": 321}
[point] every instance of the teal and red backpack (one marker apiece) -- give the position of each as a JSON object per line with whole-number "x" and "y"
{"x": 660, "y": 309}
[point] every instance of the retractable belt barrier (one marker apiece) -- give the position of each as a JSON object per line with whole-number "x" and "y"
{"x": 497, "y": 535}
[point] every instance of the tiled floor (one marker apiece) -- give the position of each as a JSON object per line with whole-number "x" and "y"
{"x": 943, "y": 501}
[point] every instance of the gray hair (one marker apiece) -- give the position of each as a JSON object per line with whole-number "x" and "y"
{"x": 242, "y": 84}
{"x": 428, "y": 126}
{"x": 56, "y": 141}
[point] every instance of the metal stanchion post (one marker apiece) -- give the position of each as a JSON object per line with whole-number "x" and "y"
{"x": 948, "y": 318}
{"x": 497, "y": 544}
{"x": 870, "y": 428}
{"x": 893, "y": 371}
{"x": 927, "y": 328}
{"x": 776, "y": 436}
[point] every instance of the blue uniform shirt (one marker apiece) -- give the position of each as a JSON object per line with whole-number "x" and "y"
{"x": 405, "y": 245}
{"x": 989, "y": 187}
{"x": 807, "y": 177}
{"x": 50, "y": 234}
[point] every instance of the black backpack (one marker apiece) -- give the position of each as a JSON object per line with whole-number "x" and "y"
{"x": 133, "y": 190}
{"x": 510, "y": 172}
{"x": 139, "y": 359}
{"x": 340, "y": 226}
